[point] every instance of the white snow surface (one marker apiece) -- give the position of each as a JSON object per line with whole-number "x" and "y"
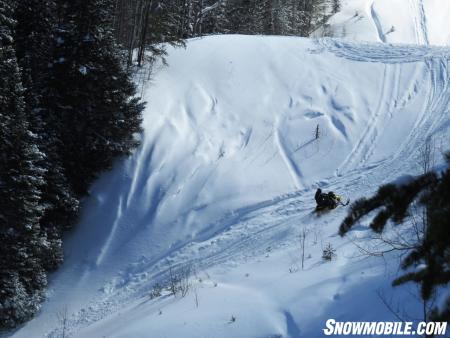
{"x": 224, "y": 182}
{"x": 422, "y": 22}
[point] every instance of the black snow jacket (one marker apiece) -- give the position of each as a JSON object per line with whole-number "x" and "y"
{"x": 326, "y": 200}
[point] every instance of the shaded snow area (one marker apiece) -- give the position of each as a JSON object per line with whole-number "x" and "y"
{"x": 422, "y": 22}
{"x": 224, "y": 181}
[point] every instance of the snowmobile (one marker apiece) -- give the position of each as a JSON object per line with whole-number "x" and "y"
{"x": 328, "y": 201}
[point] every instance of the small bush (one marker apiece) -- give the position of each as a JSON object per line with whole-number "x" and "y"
{"x": 179, "y": 281}
{"x": 156, "y": 291}
{"x": 328, "y": 253}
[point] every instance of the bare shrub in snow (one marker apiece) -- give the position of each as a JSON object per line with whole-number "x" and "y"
{"x": 185, "y": 280}
{"x": 63, "y": 317}
{"x": 156, "y": 291}
{"x": 180, "y": 280}
{"x": 317, "y": 235}
{"x": 303, "y": 234}
{"x": 426, "y": 155}
{"x": 317, "y": 133}
{"x": 172, "y": 282}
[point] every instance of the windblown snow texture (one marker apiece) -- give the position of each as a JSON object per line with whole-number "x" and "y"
{"x": 225, "y": 181}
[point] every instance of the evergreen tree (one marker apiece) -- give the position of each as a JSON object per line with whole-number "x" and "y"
{"x": 74, "y": 115}
{"x": 93, "y": 95}
{"x": 263, "y": 17}
{"x": 242, "y": 17}
{"x": 432, "y": 251}
{"x": 147, "y": 24}
{"x": 165, "y": 22}
{"x": 67, "y": 110}
{"x": 214, "y": 18}
{"x": 34, "y": 40}
{"x": 22, "y": 277}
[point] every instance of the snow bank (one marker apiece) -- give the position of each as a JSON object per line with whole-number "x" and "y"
{"x": 224, "y": 180}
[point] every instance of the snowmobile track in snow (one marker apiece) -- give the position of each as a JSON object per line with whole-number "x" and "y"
{"x": 436, "y": 60}
{"x": 257, "y": 229}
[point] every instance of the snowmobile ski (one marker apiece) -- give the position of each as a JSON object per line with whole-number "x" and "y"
{"x": 321, "y": 209}
{"x": 346, "y": 203}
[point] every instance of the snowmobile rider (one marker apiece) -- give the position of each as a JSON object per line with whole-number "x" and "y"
{"x": 326, "y": 200}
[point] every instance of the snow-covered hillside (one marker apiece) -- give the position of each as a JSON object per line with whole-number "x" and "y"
{"x": 224, "y": 183}
{"x": 423, "y": 22}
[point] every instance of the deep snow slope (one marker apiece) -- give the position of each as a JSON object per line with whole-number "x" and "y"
{"x": 422, "y": 22}
{"x": 224, "y": 182}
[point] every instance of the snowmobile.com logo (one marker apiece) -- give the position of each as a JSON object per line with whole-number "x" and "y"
{"x": 334, "y": 328}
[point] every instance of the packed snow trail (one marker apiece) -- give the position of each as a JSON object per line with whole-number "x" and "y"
{"x": 420, "y": 22}
{"x": 224, "y": 180}
{"x": 436, "y": 61}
